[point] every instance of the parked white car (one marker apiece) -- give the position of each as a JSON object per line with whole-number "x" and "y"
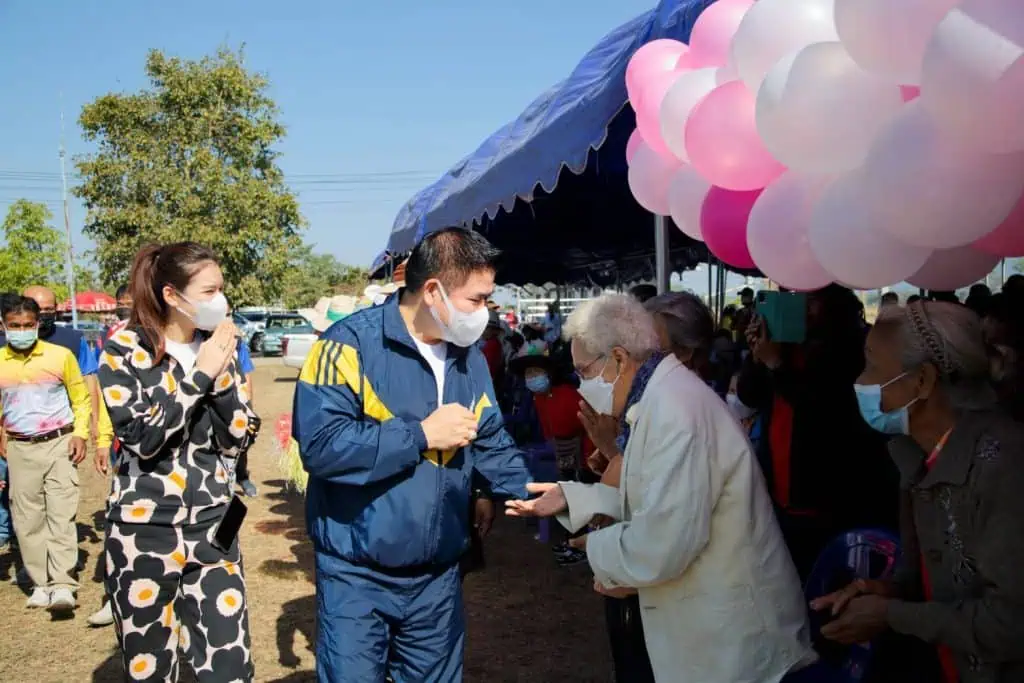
{"x": 295, "y": 348}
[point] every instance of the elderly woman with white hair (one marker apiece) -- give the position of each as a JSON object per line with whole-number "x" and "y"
{"x": 927, "y": 382}
{"x": 695, "y": 536}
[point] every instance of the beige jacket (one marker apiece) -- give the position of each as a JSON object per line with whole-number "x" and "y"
{"x": 720, "y": 597}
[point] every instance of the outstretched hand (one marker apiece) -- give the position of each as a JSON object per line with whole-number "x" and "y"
{"x": 550, "y": 503}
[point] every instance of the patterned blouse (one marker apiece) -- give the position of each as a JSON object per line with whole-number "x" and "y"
{"x": 180, "y": 434}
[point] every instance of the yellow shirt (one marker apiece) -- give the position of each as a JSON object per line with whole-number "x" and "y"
{"x": 105, "y": 435}
{"x": 42, "y": 390}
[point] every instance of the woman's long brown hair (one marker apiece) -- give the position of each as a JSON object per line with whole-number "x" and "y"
{"x": 154, "y": 267}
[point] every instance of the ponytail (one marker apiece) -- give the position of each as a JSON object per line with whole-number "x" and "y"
{"x": 155, "y": 267}
{"x": 149, "y": 310}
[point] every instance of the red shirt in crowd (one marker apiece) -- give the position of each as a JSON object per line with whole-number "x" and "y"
{"x": 558, "y": 413}
{"x": 495, "y": 357}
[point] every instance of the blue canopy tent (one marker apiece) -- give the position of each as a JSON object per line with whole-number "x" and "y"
{"x": 550, "y": 189}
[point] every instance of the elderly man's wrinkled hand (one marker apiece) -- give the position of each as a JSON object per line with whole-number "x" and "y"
{"x": 603, "y": 430}
{"x": 597, "y": 462}
{"x": 612, "y": 475}
{"x": 551, "y": 502}
{"x": 613, "y": 592}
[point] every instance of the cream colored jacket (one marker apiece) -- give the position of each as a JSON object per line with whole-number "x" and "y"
{"x": 720, "y": 598}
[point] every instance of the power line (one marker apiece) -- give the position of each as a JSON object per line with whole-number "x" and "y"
{"x": 300, "y": 177}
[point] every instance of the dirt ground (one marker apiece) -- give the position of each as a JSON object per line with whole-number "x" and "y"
{"x": 528, "y": 620}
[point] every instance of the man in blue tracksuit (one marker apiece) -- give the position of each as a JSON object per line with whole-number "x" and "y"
{"x": 398, "y": 424}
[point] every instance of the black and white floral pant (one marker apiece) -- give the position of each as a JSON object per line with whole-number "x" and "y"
{"x": 173, "y": 593}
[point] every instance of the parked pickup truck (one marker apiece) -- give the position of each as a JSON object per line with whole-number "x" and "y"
{"x": 295, "y": 347}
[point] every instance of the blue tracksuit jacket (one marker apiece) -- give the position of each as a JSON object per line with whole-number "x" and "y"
{"x": 377, "y": 496}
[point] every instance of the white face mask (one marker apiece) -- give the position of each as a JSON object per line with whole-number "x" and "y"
{"x": 599, "y": 392}
{"x": 463, "y": 329}
{"x": 740, "y": 409}
{"x": 209, "y": 313}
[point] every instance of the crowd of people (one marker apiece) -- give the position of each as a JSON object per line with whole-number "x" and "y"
{"x": 701, "y": 468}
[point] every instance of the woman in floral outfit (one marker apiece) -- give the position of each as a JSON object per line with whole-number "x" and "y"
{"x": 177, "y": 402}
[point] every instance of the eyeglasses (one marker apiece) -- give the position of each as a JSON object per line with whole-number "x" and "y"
{"x": 582, "y": 370}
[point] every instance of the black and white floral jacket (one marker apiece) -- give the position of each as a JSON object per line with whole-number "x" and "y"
{"x": 179, "y": 432}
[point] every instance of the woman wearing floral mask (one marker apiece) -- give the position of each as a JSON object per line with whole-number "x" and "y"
{"x": 177, "y": 402}
{"x": 927, "y": 382}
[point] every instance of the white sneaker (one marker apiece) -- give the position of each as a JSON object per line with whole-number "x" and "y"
{"x": 40, "y": 598}
{"x": 101, "y": 617}
{"x": 62, "y": 600}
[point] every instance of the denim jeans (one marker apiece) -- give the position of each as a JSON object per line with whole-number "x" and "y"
{"x": 6, "y": 531}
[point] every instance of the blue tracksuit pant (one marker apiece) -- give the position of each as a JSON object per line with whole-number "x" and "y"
{"x": 407, "y": 625}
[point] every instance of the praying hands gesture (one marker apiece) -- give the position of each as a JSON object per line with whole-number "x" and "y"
{"x": 603, "y": 430}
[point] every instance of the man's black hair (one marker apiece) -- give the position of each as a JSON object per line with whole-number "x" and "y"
{"x": 14, "y": 303}
{"x": 5, "y": 297}
{"x": 643, "y": 293}
{"x": 451, "y": 256}
{"x": 891, "y": 296}
{"x": 121, "y": 291}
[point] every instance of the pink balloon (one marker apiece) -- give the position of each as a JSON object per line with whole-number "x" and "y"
{"x": 657, "y": 56}
{"x": 910, "y": 92}
{"x": 1006, "y": 241}
{"x": 723, "y": 144}
{"x": 713, "y": 31}
{"x": 723, "y": 224}
{"x": 632, "y": 144}
{"x": 950, "y": 269}
{"x": 649, "y": 176}
{"x": 647, "y": 106}
{"x": 686, "y": 194}
{"x": 777, "y": 232}
{"x": 848, "y": 241}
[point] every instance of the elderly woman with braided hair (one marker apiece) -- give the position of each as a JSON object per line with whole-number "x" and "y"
{"x": 961, "y": 462}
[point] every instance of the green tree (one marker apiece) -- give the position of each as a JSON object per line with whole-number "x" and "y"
{"x": 311, "y": 276}
{"x": 191, "y": 158}
{"x": 88, "y": 280}
{"x": 34, "y": 251}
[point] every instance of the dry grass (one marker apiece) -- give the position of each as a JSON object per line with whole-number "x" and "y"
{"x": 528, "y": 620}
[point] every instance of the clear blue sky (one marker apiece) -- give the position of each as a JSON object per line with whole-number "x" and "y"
{"x": 364, "y": 88}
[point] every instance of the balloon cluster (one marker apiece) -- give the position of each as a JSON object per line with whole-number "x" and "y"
{"x": 863, "y": 142}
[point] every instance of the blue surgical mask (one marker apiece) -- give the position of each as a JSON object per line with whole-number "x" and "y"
{"x": 869, "y": 400}
{"x": 539, "y": 384}
{"x": 22, "y": 339}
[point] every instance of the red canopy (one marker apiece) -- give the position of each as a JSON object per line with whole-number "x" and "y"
{"x": 91, "y": 302}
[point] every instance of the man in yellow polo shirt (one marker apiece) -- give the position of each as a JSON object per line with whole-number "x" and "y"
{"x": 46, "y": 414}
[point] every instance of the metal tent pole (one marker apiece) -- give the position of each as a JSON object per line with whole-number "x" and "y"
{"x": 662, "y": 268}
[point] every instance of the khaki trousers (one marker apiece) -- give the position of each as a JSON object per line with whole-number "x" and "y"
{"x": 44, "y": 501}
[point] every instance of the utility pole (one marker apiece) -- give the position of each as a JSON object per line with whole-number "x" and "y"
{"x": 70, "y": 264}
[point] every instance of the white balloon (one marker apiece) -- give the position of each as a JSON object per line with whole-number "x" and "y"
{"x": 649, "y": 176}
{"x": 845, "y": 238}
{"x": 689, "y": 89}
{"x": 777, "y": 232}
{"x": 950, "y": 269}
{"x": 726, "y": 74}
{"x": 972, "y": 78}
{"x": 818, "y": 111}
{"x": 686, "y": 193}
{"x": 772, "y": 29}
{"x": 888, "y": 37}
{"x": 930, "y": 191}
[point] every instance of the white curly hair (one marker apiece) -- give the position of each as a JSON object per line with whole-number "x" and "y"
{"x": 601, "y": 324}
